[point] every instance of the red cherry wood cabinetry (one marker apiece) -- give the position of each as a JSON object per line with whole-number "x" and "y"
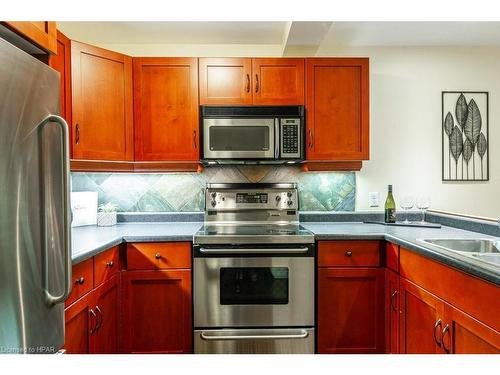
{"x": 166, "y": 109}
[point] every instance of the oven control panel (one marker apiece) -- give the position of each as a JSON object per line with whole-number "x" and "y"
{"x": 229, "y": 199}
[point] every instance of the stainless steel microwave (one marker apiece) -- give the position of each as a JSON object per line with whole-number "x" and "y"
{"x": 252, "y": 135}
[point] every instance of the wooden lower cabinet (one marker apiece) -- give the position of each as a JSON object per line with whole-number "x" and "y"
{"x": 78, "y": 323}
{"x": 421, "y": 320}
{"x": 391, "y": 312}
{"x": 351, "y": 310}
{"x": 466, "y": 335}
{"x": 106, "y": 298}
{"x": 157, "y": 313}
{"x": 92, "y": 321}
{"x": 430, "y": 325}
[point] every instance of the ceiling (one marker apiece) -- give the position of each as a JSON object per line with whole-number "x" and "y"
{"x": 285, "y": 34}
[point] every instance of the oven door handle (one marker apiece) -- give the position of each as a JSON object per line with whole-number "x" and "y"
{"x": 214, "y": 336}
{"x": 254, "y": 251}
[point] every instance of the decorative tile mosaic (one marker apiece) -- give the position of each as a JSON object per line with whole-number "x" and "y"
{"x": 183, "y": 192}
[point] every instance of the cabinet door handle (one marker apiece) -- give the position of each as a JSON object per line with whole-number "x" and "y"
{"x": 446, "y": 330}
{"x": 80, "y": 280}
{"x": 99, "y": 322}
{"x": 93, "y": 329}
{"x": 110, "y": 264}
{"x": 310, "y": 141}
{"x": 393, "y": 305}
{"x": 157, "y": 255}
{"x": 438, "y": 324}
{"x": 256, "y": 83}
{"x": 348, "y": 253}
{"x": 194, "y": 139}
{"x": 248, "y": 83}
{"x": 77, "y": 135}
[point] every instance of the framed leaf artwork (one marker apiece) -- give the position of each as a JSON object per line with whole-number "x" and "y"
{"x": 464, "y": 128}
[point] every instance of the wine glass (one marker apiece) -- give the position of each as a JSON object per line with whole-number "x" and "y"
{"x": 423, "y": 203}
{"x": 406, "y": 203}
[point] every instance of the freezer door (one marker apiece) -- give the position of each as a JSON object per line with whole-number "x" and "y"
{"x": 34, "y": 231}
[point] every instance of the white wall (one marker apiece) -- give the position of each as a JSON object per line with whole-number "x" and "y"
{"x": 405, "y": 118}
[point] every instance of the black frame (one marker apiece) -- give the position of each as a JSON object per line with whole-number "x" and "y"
{"x": 487, "y": 136}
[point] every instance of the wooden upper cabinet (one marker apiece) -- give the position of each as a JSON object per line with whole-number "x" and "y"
{"x": 62, "y": 63}
{"x": 101, "y": 103}
{"x": 225, "y": 81}
{"x": 337, "y": 107}
{"x": 166, "y": 109}
{"x": 278, "y": 81}
{"x": 246, "y": 81}
{"x": 41, "y": 33}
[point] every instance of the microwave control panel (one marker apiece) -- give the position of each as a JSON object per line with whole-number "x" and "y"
{"x": 291, "y": 137}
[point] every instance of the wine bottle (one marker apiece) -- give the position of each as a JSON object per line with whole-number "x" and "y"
{"x": 390, "y": 207}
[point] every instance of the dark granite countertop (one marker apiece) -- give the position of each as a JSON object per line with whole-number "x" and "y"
{"x": 91, "y": 240}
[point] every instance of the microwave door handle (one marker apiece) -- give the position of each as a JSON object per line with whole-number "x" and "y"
{"x": 277, "y": 138}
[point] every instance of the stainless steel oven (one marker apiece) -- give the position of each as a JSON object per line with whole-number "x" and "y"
{"x": 252, "y": 134}
{"x": 253, "y": 272}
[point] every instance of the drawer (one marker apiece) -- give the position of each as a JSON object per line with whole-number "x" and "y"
{"x": 106, "y": 265}
{"x": 160, "y": 255}
{"x": 392, "y": 256}
{"x": 349, "y": 253}
{"x": 82, "y": 278}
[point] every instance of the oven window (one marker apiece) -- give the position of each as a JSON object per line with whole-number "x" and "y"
{"x": 239, "y": 138}
{"x": 254, "y": 286}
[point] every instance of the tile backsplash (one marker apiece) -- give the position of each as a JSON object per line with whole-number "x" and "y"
{"x": 183, "y": 192}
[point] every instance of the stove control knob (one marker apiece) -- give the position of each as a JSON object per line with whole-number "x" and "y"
{"x": 289, "y": 194}
{"x": 213, "y": 195}
{"x": 213, "y": 203}
{"x": 278, "y": 198}
{"x": 289, "y": 203}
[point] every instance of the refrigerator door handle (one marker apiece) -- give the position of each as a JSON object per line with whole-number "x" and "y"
{"x": 50, "y": 298}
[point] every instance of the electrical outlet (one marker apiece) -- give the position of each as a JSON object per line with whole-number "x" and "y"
{"x": 373, "y": 199}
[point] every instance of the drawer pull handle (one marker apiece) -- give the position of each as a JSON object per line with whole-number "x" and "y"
{"x": 446, "y": 330}
{"x": 80, "y": 281}
{"x": 110, "y": 264}
{"x": 437, "y": 325}
{"x": 157, "y": 255}
{"x": 348, "y": 253}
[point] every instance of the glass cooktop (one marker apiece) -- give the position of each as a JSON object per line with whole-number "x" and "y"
{"x": 248, "y": 234}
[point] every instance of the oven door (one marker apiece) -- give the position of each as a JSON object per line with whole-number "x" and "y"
{"x": 254, "y": 292}
{"x": 240, "y": 138}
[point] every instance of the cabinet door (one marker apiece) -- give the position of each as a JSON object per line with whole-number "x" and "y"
{"x": 166, "y": 109}
{"x": 337, "y": 109}
{"x": 80, "y": 320}
{"x": 225, "y": 81}
{"x": 278, "y": 81}
{"x": 392, "y": 312}
{"x": 462, "y": 334}
{"x": 106, "y": 308}
{"x": 351, "y": 310}
{"x": 157, "y": 311}
{"x": 62, "y": 63}
{"x": 41, "y": 33}
{"x": 421, "y": 320}
{"x": 101, "y": 103}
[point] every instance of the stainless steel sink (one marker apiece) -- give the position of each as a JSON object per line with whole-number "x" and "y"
{"x": 484, "y": 250}
{"x": 479, "y": 246}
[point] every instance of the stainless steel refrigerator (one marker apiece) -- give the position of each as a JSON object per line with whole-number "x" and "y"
{"x": 35, "y": 255}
